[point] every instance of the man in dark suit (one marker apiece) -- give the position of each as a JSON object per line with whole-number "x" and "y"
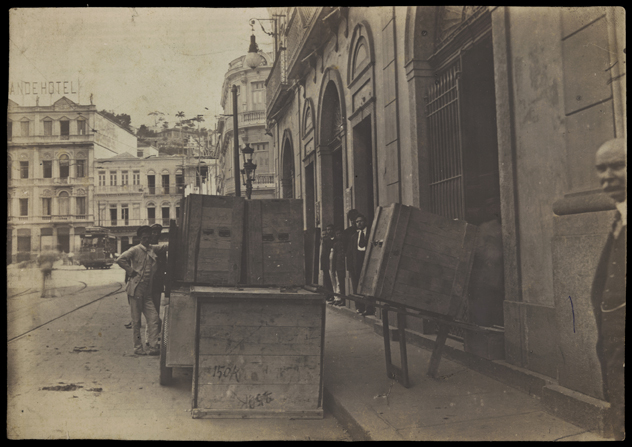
{"x": 325, "y": 263}
{"x": 608, "y": 291}
{"x": 356, "y": 251}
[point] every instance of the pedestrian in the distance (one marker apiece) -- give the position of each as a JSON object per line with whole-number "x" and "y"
{"x": 338, "y": 267}
{"x": 326, "y": 246}
{"x": 141, "y": 262}
{"x": 355, "y": 252}
{"x": 45, "y": 262}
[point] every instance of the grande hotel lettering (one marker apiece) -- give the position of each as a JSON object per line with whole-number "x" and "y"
{"x": 43, "y": 88}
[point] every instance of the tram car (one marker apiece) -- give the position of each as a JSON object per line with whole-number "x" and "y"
{"x": 98, "y": 248}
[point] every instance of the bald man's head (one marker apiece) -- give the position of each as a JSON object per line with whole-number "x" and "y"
{"x": 612, "y": 169}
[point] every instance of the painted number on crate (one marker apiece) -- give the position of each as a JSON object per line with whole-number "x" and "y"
{"x": 226, "y": 372}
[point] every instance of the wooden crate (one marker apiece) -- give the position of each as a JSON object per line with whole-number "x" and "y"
{"x": 211, "y": 238}
{"x": 275, "y": 251}
{"x": 418, "y": 259}
{"x": 180, "y": 328}
{"x": 258, "y": 353}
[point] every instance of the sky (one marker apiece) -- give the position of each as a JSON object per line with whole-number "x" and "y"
{"x": 132, "y": 60}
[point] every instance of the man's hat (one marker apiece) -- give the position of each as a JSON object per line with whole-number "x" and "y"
{"x": 142, "y": 230}
{"x": 156, "y": 226}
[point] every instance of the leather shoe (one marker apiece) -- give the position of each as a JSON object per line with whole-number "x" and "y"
{"x": 339, "y": 303}
{"x": 154, "y": 352}
{"x": 139, "y": 351}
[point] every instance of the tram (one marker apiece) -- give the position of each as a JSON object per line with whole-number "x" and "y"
{"x": 98, "y": 248}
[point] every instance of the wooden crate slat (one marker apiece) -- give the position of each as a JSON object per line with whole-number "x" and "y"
{"x": 462, "y": 275}
{"x": 264, "y": 334}
{"x": 441, "y": 259}
{"x": 401, "y": 233}
{"x": 257, "y": 397}
{"x": 193, "y": 236}
{"x": 258, "y": 370}
{"x": 421, "y": 299}
{"x": 210, "y": 346}
{"x": 254, "y": 247}
{"x": 260, "y": 314}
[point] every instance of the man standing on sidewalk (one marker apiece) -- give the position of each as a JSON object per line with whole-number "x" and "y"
{"x": 159, "y": 278}
{"x": 141, "y": 262}
{"x": 608, "y": 292}
{"x": 357, "y": 250}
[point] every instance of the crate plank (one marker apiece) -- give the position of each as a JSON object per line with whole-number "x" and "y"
{"x": 441, "y": 259}
{"x": 258, "y": 370}
{"x": 209, "y": 346}
{"x": 421, "y": 299}
{"x": 191, "y": 243}
{"x": 180, "y": 344}
{"x": 286, "y": 397}
{"x": 260, "y": 314}
{"x": 263, "y": 334}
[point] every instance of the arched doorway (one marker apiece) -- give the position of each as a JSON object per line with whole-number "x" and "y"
{"x": 331, "y": 155}
{"x": 287, "y": 168}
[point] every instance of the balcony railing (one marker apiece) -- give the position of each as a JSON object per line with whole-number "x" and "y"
{"x": 264, "y": 179}
{"x": 119, "y": 189}
{"x": 51, "y": 218}
{"x": 171, "y": 189}
{"x": 40, "y": 139}
{"x": 277, "y": 80}
{"x": 252, "y": 117}
{"x": 301, "y": 24}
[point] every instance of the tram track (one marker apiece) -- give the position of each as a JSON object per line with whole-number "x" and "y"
{"x": 114, "y": 292}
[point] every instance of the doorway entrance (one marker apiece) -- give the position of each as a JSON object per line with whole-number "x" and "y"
{"x": 463, "y": 168}
{"x": 363, "y": 168}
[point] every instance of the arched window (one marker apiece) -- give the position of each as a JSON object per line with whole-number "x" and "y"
{"x": 151, "y": 213}
{"x": 64, "y": 166}
{"x": 64, "y": 203}
{"x": 360, "y": 56}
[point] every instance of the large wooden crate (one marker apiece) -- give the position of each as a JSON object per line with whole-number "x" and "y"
{"x": 418, "y": 259}
{"x": 211, "y": 238}
{"x": 258, "y": 353}
{"x": 274, "y": 242}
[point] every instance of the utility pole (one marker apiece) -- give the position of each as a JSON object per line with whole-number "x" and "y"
{"x": 236, "y": 144}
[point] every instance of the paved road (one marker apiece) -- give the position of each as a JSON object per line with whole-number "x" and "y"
{"x": 72, "y": 373}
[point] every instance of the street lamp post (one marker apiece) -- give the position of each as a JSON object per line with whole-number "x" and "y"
{"x": 248, "y": 172}
{"x": 236, "y": 143}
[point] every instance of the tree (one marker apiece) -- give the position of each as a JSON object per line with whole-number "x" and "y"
{"x": 122, "y": 119}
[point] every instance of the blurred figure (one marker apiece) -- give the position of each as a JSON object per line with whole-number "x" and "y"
{"x": 45, "y": 262}
{"x": 325, "y": 254}
{"x": 608, "y": 291}
{"x": 338, "y": 267}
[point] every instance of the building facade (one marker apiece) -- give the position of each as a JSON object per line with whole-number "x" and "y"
{"x": 50, "y": 156}
{"x": 131, "y": 191}
{"x": 487, "y": 114}
{"x": 251, "y": 114}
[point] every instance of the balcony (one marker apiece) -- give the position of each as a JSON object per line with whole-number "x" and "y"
{"x": 52, "y": 139}
{"x": 251, "y": 118}
{"x": 119, "y": 189}
{"x": 50, "y": 218}
{"x": 264, "y": 179}
{"x": 306, "y": 33}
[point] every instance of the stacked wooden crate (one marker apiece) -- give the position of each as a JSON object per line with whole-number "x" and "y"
{"x": 258, "y": 353}
{"x": 418, "y": 259}
{"x": 211, "y": 240}
{"x": 220, "y": 236}
{"x": 274, "y": 246}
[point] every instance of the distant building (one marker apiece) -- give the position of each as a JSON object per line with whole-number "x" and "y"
{"x": 131, "y": 191}
{"x": 251, "y": 104}
{"x": 50, "y": 156}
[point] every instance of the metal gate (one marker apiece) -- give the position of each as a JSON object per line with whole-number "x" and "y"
{"x": 447, "y": 196}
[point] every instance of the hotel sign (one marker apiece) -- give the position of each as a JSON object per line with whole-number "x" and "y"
{"x": 37, "y": 88}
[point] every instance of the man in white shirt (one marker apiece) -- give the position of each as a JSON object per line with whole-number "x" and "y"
{"x": 358, "y": 250}
{"x": 141, "y": 263}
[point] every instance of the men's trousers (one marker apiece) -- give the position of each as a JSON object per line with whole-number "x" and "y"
{"x": 142, "y": 304}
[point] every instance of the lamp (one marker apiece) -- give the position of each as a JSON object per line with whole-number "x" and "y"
{"x": 248, "y": 172}
{"x": 253, "y": 58}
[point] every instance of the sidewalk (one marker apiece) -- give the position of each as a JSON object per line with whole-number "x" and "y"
{"x": 460, "y": 405}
